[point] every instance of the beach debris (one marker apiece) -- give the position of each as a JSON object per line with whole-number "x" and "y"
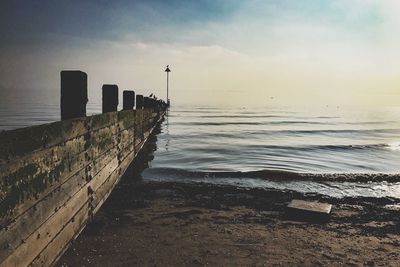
{"x": 393, "y": 207}
{"x": 309, "y": 210}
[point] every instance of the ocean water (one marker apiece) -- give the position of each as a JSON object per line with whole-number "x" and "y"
{"x": 22, "y": 108}
{"x": 232, "y": 139}
{"x": 227, "y": 145}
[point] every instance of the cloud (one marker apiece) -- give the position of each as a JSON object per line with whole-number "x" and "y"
{"x": 219, "y": 50}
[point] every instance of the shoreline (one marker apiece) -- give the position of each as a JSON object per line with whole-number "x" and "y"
{"x": 178, "y": 224}
{"x": 283, "y": 175}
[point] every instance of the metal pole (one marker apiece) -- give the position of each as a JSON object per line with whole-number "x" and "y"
{"x": 167, "y": 70}
{"x": 167, "y": 87}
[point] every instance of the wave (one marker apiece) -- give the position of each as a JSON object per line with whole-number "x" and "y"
{"x": 289, "y": 120}
{"x": 277, "y": 175}
{"x": 290, "y": 132}
{"x": 217, "y": 123}
{"x": 221, "y": 149}
{"x": 252, "y": 123}
{"x": 285, "y": 119}
{"x": 231, "y": 136}
{"x": 330, "y": 131}
{"x": 326, "y": 147}
{"x": 239, "y": 116}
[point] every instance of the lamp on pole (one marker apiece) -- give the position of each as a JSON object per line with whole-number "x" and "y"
{"x": 167, "y": 70}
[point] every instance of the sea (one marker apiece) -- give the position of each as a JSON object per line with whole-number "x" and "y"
{"x": 232, "y": 145}
{"x": 327, "y": 146}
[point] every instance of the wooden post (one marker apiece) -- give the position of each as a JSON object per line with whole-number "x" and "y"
{"x": 139, "y": 102}
{"x": 73, "y": 94}
{"x": 128, "y": 100}
{"x": 110, "y": 97}
{"x": 146, "y": 102}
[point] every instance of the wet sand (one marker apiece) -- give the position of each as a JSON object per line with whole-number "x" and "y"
{"x": 173, "y": 224}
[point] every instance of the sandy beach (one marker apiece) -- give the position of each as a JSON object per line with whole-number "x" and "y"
{"x": 174, "y": 224}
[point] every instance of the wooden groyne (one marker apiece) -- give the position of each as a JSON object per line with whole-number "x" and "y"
{"x": 54, "y": 177}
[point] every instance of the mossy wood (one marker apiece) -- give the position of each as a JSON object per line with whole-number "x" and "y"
{"x": 54, "y": 177}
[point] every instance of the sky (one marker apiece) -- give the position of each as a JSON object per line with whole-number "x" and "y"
{"x": 254, "y": 52}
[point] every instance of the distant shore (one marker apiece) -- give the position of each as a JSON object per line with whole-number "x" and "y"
{"x": 174, "y": 224}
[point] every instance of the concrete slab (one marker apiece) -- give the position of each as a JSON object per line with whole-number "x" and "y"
{"x": 308, "y": 210}
{"x": 310, "y": 206}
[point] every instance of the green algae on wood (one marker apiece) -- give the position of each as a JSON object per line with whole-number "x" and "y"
{"x": 127, "y": 118}
{"x": 19, "y": 188}
{"x": 103, "y": 120}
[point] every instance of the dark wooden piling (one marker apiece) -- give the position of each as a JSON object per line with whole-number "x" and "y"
{"x": 146, "y": 102}
{"x": 139, "y": 102}
{"x": 110, "y": 97}
{"x": 73, "y": 94}
{"x": 56, "y": 176}
{"x": 128, "y": 100}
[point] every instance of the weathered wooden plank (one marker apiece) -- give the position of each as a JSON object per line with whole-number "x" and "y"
{"x": 126, "y": 119}
{"x": 20, "y": 142}
{"x": 138, "y": 143}
{"x": 60, "y": 243}
{"x": 146, "y": 134}
{"x": 103, "y": 139}
{"x": 126, "y": 151}
{"x": 17, "y": 198}
{"x": 126, "y": 136}
{"x": 138, "y": 123}
{"x": 104, "y": 174}
{"x": 101, "y": 193}
{"x": 25, "y": 225}
{"x": 93, "y": 167}
{"x": 102, "y": 120}
{"x": 103, "y": 190}
{"x": 84, "y": 182}
{"x": 74, "y": 128}
{"x": 17, "y": 143}
{"x": 32, "y": 180}
{"x": 12, "y": 236}
{"x": 35, "y": 243}
{"x": 46, "y": 157}
{"x": 74, "y": 138}
{"x": 44, "y": 160}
